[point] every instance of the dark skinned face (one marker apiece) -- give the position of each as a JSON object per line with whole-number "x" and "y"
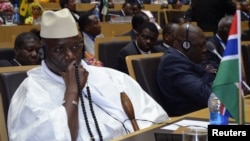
{"x": 61, "y": 52}
{"x": 94, "y": 28}
{"x": 146, "y": 39}
{"x": 28, "y": 53}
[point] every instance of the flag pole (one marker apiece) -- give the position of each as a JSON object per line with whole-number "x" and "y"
{"x": 240, "y": 93}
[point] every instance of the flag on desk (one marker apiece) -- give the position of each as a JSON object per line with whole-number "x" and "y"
{"x": 105, "y": 7}
{"x": 24, "y": 5}
{"x": 227, "y": 84}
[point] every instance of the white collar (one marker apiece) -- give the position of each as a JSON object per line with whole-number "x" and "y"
{"x": 166, "y": 45}
{"x": 17, "y": 62}
{"x": 141, "y": 51}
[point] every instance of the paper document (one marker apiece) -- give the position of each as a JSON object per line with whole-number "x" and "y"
{"x": 186, "y": 122}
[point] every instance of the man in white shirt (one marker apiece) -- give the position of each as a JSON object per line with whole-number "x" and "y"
{"x": 65, "y": 99}
{"x": 90, "y": 26}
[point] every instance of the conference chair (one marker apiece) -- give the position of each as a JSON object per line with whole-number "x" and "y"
{"x": 10, "y": 78}
{"x": 107, "y": 52}
{"x": 109, "y": 39}
{"x": 9, "y": 81}
{"x": 143, "y": 68}
{"x": 6, "y": 53}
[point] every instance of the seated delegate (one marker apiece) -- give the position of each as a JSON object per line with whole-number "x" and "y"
{"x": 66, "y": 99}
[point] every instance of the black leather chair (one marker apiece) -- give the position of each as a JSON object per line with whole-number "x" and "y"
{"x": 6, "y": 53}
{"x": 9, "y": 82}
{"x": 144, "y": 69}
{"x": 108, "y": 52}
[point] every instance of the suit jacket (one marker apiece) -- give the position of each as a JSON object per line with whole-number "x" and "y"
{"x": 8, "y": 63}
{"x": 162, "y": 47}
{"x": 212, "y": 58}
{"x": 130, "y": 49}
{"x": 185, "y": 86}
{"x": 245, "y": 16}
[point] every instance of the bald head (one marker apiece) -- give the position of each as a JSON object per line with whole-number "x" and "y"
{"x": 190, "y": 40}
{"x": 224, "y": 27}
{"x": 168, "y": 33}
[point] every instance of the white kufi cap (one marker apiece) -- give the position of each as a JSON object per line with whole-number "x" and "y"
{"x": 58, "y": 24}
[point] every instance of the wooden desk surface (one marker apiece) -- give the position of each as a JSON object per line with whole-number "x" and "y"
{"x": 148, "y": 133}
{"x": 16, "y": 68}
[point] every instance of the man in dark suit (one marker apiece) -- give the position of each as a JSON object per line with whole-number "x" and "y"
{"x": 144, "y": 44}
{"x": 245, "y": 9}
{"x": 127, "y": 10}
{"x": 168, "y": 35}
{"x": 218, "y": 42}
{"x": 207, "y": 13}
{"x": 26, "y": 50}
{"x": 185, "y": 85}
{"x": 137, "y": 20}
{"x": 71, "y": 5}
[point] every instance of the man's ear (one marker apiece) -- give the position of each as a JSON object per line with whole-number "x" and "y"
{"x": 15, "y": 49}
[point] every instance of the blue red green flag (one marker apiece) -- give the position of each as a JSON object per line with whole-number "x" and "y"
{"x": 227, "y": 84}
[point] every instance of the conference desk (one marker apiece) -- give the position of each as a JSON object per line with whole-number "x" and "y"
{"x": 148, "y": 134}
{"x": 8, "y": 33}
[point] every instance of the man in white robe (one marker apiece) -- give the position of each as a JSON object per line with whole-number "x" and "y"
{"x": 46, "y": 106}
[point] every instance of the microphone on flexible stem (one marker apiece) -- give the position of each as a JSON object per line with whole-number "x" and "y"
{"x": 211, "y": 47}
{"x": 129, "y": 110}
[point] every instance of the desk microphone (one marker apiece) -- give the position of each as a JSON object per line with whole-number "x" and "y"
{"x": 211, "y": 47}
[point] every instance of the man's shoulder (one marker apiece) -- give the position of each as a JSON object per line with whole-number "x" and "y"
{"x": 128, "y": 47}
{"x": 159, "y": 48}
{"x": 5, "y": 63}
{"x": 173, "y": 54}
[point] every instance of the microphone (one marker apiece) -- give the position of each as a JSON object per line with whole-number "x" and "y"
{"x": 211, "y": 47}
{"x": 129, "y": 110}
